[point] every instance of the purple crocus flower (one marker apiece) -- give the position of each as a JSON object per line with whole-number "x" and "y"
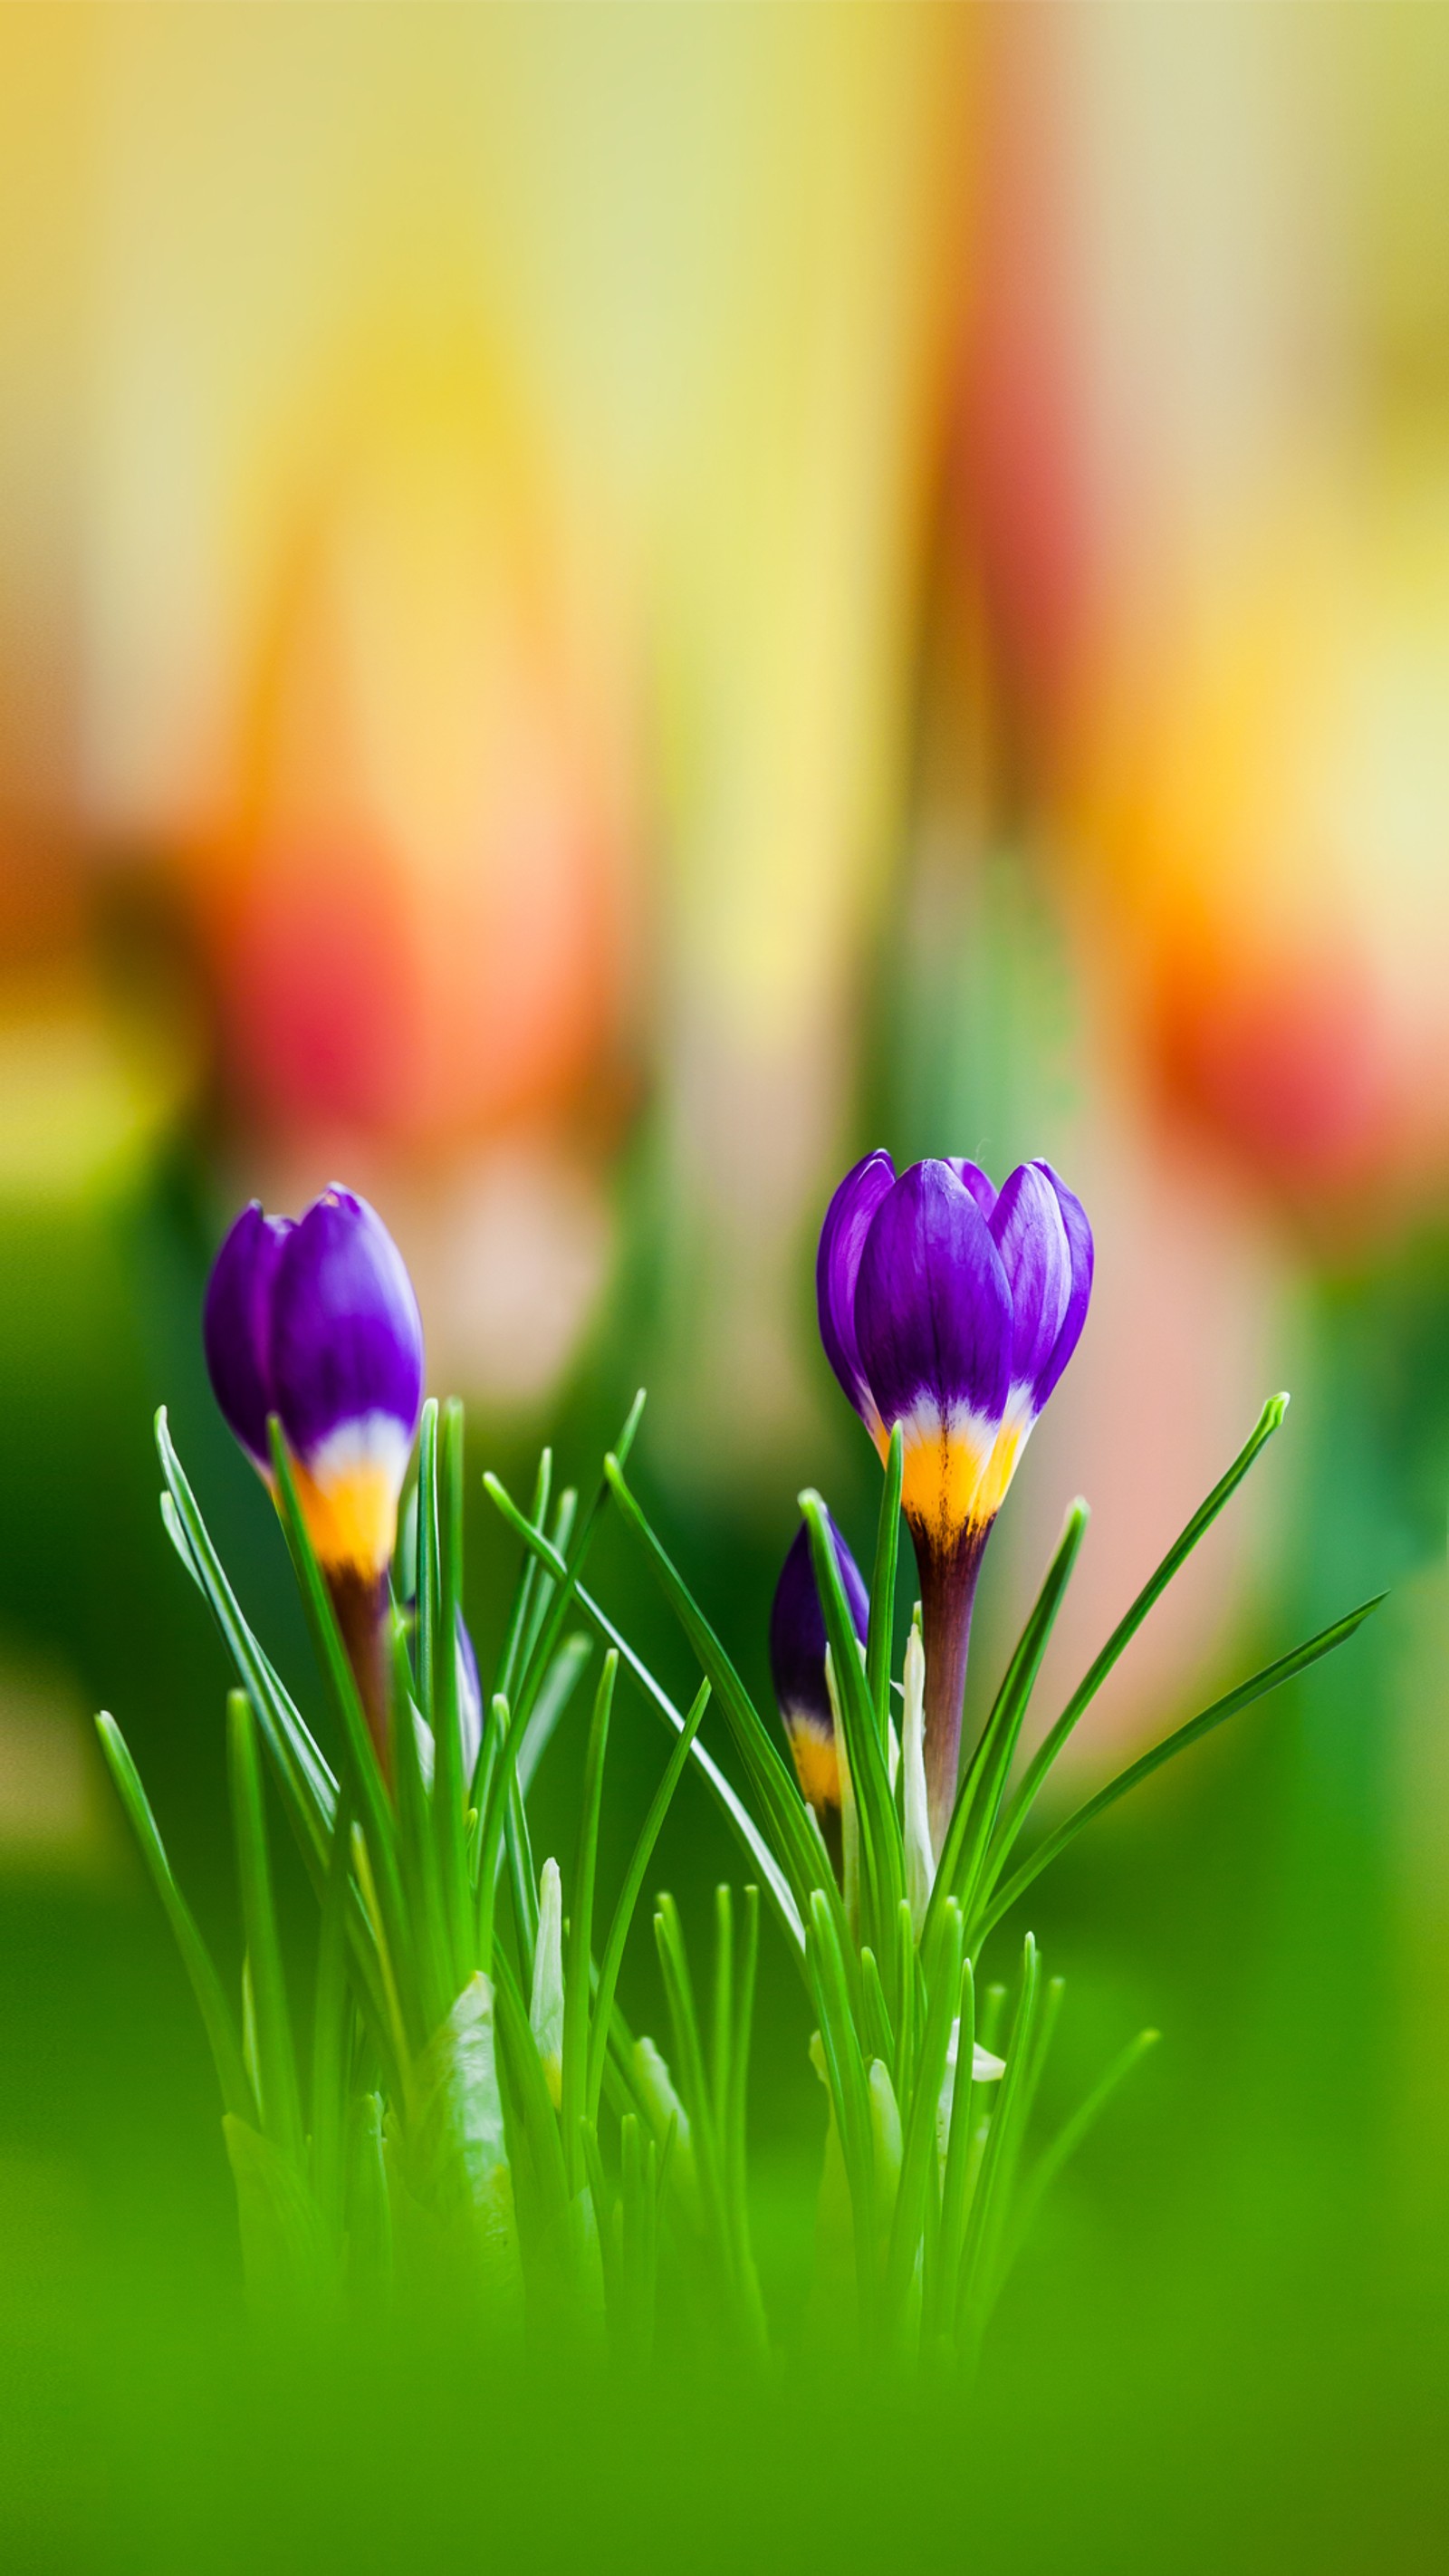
{"x": 797, "y": 1662}
{"x": 951, "y": 1308}
{"x": 316, "y": 1321}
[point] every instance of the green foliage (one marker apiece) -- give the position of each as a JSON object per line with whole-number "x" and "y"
{"x": 471, "y": 2126}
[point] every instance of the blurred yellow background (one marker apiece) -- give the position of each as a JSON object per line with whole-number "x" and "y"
{"x": 602, "y": 606}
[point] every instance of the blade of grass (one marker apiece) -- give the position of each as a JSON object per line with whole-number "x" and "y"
{"x": 943, "y": 2271}
{"x": 281, "y": 2103}
{"x": 883, "y": 1587}
{"x": 918, "y": 2156}
{"x": 773, "y": 1785}
{"x": 331, "y": 2032}
{"x": 428, "y": 1601}
{"x": 1259, "y": 1684}
{"x": 882, "y": 1853}
{"x": 1024, "y": 1797}
{"x": 303, "y": 1773}
{"x": 736, "y": 1813}
{"x": 984, "y": 2216}
{"x": 581, "y": 1924}
{"x": 629, "y": 1893}
{"x": 527, "y": 1578}
{"x": 447, "y": 1801}
{"x": 206, "y": 1985}
{"x": 1070, "y": 2136}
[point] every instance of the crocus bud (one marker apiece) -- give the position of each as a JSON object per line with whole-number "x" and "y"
{"x": 317, "y": 1323}
{"x": 952, "y": 1309}
{"x": 797, "y": 1662}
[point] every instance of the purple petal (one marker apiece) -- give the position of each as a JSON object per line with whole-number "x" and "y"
{"x": 797, "y": 1630}
{"x": 837, "y": 1267}
{"x": 1079, "y": 1238}
{"x": 932, "y": 1307}
{"x": 972, "y": 1178}
{"x": 236, "y": 1325}
{"x": 347, "y": 1339}
{"x": 1029, "y": 1231}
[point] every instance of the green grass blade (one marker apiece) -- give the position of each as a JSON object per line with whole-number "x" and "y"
{"x": 773, "y": 1785}
{"x": 918, "y": 2158}
{"x": 1070, "y": 2136}
{"x": 883, "y": 1588}
{"x": 559, "y": 1684}
{"x": 552, "y": 1601}
{"x": 693, "y": 2080}
{"x": 881, "y": 1850}
{"x": 845, "y": 2071}
{"x": 533, "y": 2114}
{"x": 736, "y": 1813}
{"x": 428, "y": 1591}
{"x": 1024, "y": 1796}
{"x": 417, "y": 1857}
{"x": 447, "y": 1801}
{"x": 581, "y": 1923}
{"x": 527, "y": 1577}
{"x": 1002, "y": 2145}
{"x": 1259, "y": 1684}
{"x": 303, "y": 1774}
{"x": 629, "y": 1894}
{"x": 281, "y": 2102}
{"x": 721, "y": 2027}
{"x": 735, "y": 2123}
{"x": 206, "y": 1985}
{"x": 943, "y": 2267}
{"x": 332, "y": 2023}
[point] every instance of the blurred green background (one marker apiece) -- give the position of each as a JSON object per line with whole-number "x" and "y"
{"x": 601, "y": 608}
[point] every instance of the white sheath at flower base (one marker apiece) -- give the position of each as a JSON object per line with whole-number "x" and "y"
{"x": 915, "y": 1807}
{"x": 546, "y": 2007}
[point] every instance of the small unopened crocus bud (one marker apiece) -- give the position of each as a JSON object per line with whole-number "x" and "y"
{"x": 546, "y": 2009}
{"x": 798, "y": 1665}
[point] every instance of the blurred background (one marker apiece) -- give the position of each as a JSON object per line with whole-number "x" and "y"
{"x": 602, "y": 607}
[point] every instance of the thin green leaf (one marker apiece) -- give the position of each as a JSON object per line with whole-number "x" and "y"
{"x": 882, "y": 1853}
{"x": 206, "y": 1985}
{"x": 1024, "y": 1797}
{"x": 629, "y": 1893}
{"x": 429, "y": 1590}
{"x": 987, "y": 2201}
{"x": 773, "y": 1785}
{"x": 1196, "y": 1728}
{"x": 332, "y": 2023}
{"x": 447, "y": 1801}
{"x": 303, "y": 1773}
{"x": 527, "y": 1578}
{"x": 942, "y": 2270}
{"x": 918, "y": 2158}
{"x": 1073, "y": 2131}
{"x": 281, "y": 2105}
{"x": 737, "y": 1814}
{"x": 979, "y": 1797}
{"x": 881, "y": 1643}
{"x": 581, "y": 1922}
